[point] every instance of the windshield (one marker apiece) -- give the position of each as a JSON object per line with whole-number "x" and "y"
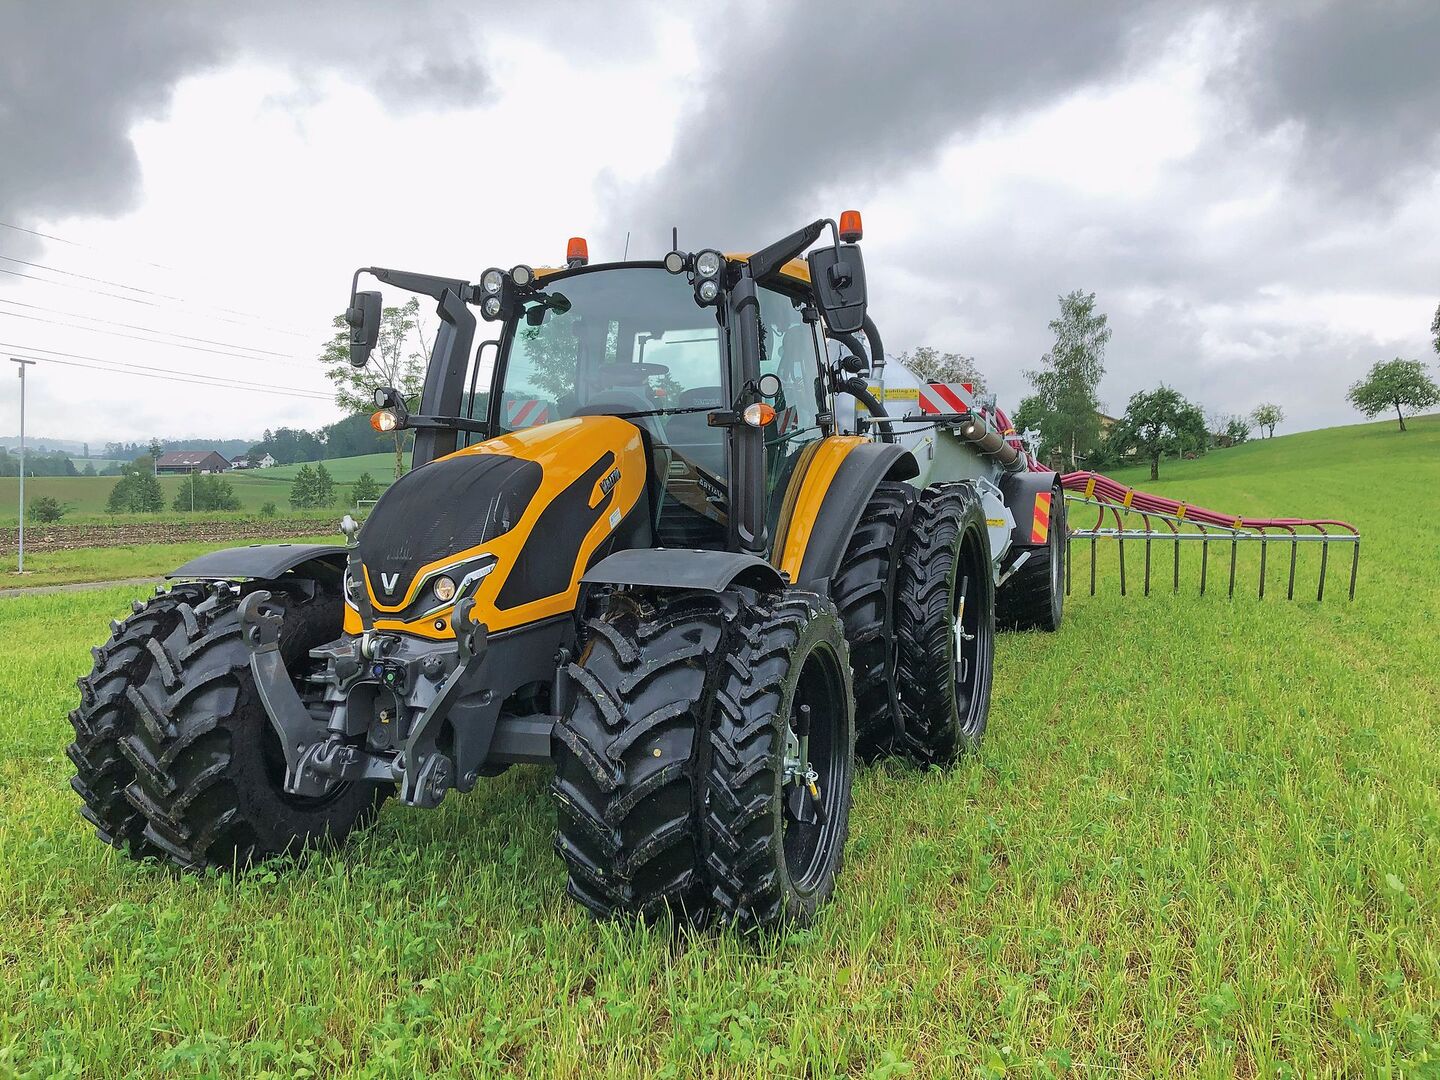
{"x": 623, "y": 341}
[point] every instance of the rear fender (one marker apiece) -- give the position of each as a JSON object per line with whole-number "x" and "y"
{"x": 683, "y": 568}
{"x": 1020, "y": 491}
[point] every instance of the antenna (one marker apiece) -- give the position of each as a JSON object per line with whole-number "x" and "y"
{"x": 627, "y": 246}
{"x": 675, "y": 238}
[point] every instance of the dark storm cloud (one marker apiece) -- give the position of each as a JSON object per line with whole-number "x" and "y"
{"x": 1361, "y": 82}
{"x": 76, "y": 76}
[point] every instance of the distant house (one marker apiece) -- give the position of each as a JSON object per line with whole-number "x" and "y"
{"x": 181, "y": 462}
{"x": 241, "y": 462}
{"x": 266, "y": 462}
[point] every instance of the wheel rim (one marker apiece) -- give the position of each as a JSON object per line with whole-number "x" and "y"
{"x": 970, "y": 636}
{"x": 1058, "y": 552}
{"x": 810, "y": 836}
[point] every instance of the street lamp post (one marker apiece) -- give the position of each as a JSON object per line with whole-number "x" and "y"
{"x": 23, "y": 365}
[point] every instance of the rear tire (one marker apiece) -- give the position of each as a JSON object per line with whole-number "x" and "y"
{"x": 208, "y": 766}
{"x": 625, "y": 786}
{"x": 945, "y": 657}
{"x": 864, "y": 591}
{"x": 1033, "y": 597}
{"x": 770, "y": 858}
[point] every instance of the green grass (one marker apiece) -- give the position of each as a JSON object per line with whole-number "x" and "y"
{"x": 347, "y": 469}
{"x": 118, "y": 562}
{"x": 1203, "y": 838}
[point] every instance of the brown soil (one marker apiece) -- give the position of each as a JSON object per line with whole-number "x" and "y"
{"x": 66, "y": 537}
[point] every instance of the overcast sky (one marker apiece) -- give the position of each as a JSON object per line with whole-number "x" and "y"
{"x": 1252, "y": 190}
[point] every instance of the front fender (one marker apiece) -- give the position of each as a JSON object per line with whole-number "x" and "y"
{"x": 264, "y": 561}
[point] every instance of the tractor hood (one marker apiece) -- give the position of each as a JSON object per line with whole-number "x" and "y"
{"x": 514, "y": 521}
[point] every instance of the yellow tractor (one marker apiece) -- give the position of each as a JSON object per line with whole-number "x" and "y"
{"x": 660, "y": 533}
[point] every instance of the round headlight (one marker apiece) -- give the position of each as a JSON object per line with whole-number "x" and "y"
{"x": 709, "y": 290}
{"x": 444, "y": 589}
{"x": 492, "y": 281}
{"x": 491, "y": 307}
{"x": 522, "y": 275}
{"x": 675, "y": 262}
{"x": 352, "y": 590}
{"x": 708, "y": 263}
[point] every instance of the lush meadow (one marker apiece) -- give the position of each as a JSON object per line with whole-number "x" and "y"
{"x": 1203, "y": 838}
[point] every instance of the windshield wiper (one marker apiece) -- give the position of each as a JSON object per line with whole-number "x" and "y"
{"x": 664, "y": 412}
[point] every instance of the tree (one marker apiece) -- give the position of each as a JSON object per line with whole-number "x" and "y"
{"x": 931, "y": 365}
{"x": 1065, "y": 407}
{"x": 47, "y": 510}
{"x": 206, "y": 492}
{"x": 1237, "y": 430}
{"x": 1391, "y": 384}
{"x": 302, "y": 490}
{"x": 1160, "y": 422}
{"x": 1435, "y": 328}
{"x": 394, "y": 362}
{"x": 365, "y": 488}
{"x": 138, "y": 490}
{"x": 324, "y": 486}
{"x": 1267, "y": 415}
{"x": 89, "y": 469}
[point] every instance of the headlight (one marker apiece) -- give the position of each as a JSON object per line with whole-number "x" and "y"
{"x": 491, "y": 307}
{"x": 522, "y": 275}
{"x": 758, "y": 414}
{"x": 444, "y": 588}
{"x": 708, "y": 290}
{"x": 384, "y": 420}
{"x": 708, "y": 263}
{"x": 492, "y": 281}
{"x": 674, "y": 262}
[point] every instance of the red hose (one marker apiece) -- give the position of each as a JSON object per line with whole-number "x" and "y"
{"x": 1105, "y": 490}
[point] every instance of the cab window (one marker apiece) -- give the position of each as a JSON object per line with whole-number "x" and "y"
{"x": 788, "y": 348}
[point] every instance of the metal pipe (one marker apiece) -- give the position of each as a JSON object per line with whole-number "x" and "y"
{"x": 986, "y": 440}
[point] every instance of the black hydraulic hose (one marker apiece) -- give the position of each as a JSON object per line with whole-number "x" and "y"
{"x": 857, "y": 388}
{"x": 877, "y": 350}
{"x": 851, "y": 342}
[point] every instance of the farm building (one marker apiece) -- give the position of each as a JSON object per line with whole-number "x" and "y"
{"x": 180, "y": 462}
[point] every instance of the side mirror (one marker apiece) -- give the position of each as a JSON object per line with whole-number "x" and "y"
{"x": 838, "y": 277}
{"x": 363, "y": 317}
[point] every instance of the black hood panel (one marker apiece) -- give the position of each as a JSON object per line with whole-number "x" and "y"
{"x": 442, "y": 509}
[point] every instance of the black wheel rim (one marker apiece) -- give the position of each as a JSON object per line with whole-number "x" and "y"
{"x": 1058, "y": 549}
{"x": 970, "y": 639}
{"x": 810, "y": 836}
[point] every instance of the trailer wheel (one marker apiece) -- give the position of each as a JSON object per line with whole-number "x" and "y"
{"x": 626, "y": 753}
{"x": 864, "y": 591}
{"x": 208, "y": 766}
{"x": 774, "y": 842}
{"x": 1033, "y": 597}
{"x": 944, "y": 626}
{"x": 106, "y": 716}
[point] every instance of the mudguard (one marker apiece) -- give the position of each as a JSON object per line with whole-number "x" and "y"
{"x": 263, "y": 561}
{"x": 831, "y": 495}
{"x": 1020, "y": 490}
{"x": 682, "y": 568}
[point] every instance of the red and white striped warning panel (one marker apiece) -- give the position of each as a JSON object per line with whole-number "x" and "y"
{"x": 952, "y": 397}
{"x": 786, "y": 419}
{"x": 526, "y": 412}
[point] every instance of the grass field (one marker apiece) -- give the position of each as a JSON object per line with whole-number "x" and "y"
{"x": 1203, "y": 838}
{"x": 119, "y": 562}
{"x": 86, "y": 495}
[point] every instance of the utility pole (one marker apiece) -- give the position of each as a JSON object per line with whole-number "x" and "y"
{"x": 23, "y": 365}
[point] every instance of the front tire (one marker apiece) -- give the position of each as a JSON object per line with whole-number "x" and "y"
{"x": 625, "y": 786}
{"x": 774, "y": 848}
{"x": 208, "y": 766}
{"x": 945, "y": 626}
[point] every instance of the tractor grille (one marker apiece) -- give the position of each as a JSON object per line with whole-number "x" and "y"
{"x": 440, "y": 509}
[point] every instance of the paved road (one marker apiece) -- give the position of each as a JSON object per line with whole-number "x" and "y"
{"x": 40, "y": 590}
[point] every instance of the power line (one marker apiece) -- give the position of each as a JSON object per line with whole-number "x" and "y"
{"x": 66, "y": 285}
{"x": 146, "y": 329}
{"x": 179, "y": 300}
{"x": 228, "y": 379}
{"x": 169, "y": 376}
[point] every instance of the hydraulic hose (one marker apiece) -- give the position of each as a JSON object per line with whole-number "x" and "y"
{"x": 1103, "y": 489}
{"x": 877, "y": 349}
{"x": 857, "y": 388}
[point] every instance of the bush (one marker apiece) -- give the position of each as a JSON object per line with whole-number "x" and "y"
{"x": 302, "y": 490}
{"x": 136, "y": 492}
{"x": 206, "y": 492}
{"x": 269, "y": 510}
{"x": 46, "y": 510}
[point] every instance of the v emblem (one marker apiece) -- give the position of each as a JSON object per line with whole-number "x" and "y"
{"x": 389, "y": 581}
